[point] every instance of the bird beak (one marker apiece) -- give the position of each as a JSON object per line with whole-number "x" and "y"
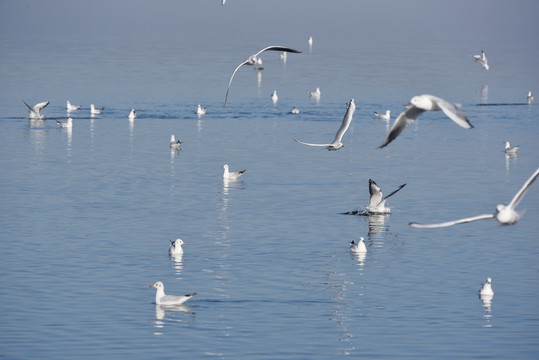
{"x": 152, "y": 286}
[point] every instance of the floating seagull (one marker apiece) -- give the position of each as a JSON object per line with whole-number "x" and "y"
{"x": 505, "y": 214}
{"x": 163, "y": 299}
{"x": 274, "y": 97}
{"x": 35, "y": 112}
{"x": 530, "y": 97}
{"x": 359, "y": 247}
{"x": 72, "y": 107}
{"x": 315, "y": 94}
{"x": 175, "y": 144}
{"x": 510, "y": 150}
{"x": 385, "y": 117}
{"x": 94, "y": 110}
{"x": 377, "y": 201}
{"x": 486, "y": 288}
{"x": 294, "y": 110}
{"x": 251, "y": 60}
{"x": 201, "y": 110}
{"x": 175, "y": 248}
{"x": 420, "y": 104}
{"x": 68, "y": 124}
{"x": 132, "y": 115}
{"x": 231, "y": 175}
{"x": 482, "y": 59}
{"x": 337, "y": 144}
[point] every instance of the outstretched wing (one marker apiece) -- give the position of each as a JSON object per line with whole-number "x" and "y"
{"x": 278, "y": 48}
{"x": 391, "y": 194}
{"x": 232, "y": 77}
{"x": 402, "y": 121}
{"x": 451, "y": 223}
{"x": 520, "y": 194}
{"x": 375, "y": 194}
{"x": 351, "y": 108}
{"x": 452, "y": 112}
{"x": 304, "y": 143}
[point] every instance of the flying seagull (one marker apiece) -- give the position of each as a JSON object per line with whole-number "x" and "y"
{"x": 337, "y": 144}
{"x": 418, "y": 105}
{"x": 35, "y": 112}
{"x": 482, "y": 60}
{"x": 251, "y": 60}
{"x": 505, "y": 214}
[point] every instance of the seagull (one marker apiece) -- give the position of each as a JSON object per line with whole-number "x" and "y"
{"x": 294, "y": 110}
{"x": 72, "y": 107}
{"x": 505, "y": 214}
{"x": 510, "y": 150}
{"x": 68, "y": 124}
{"x": 420, "y": 104}
{"x": 486, "y": 288}
{"x": 377, "y": 201}
{"x": 274, "y": 97}
{"x": 132, "y": 115}
{"x": 231, "y": 175}
{"x": 315, "y": 94}
{"x": 251, "y": 60}
{"x": 94, "y": 110}
{"x": 175, "y": 144}
{"x": 359, "y": 247}
{"x": 35, "y": 112}
{"x": 163, "y": 299}
{"x": 201, "y": 110}
{"x": 482, "y": 60}
{"x": 175, "y": 248}
{"x": 337, "y": 144}
{"x": 385, "y": 117}
{"x": 530, "y": 97}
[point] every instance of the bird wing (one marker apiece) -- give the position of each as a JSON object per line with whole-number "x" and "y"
{"x": 345, "y": 121}
{"x": 28, "y": 106}
{"x": 392, "y": 193}
{"x": 402, "y": 121}
{"x": 234, "y": 73}
{"x": 520, "y": 194}
{"x": 278, "y": 48}
{"x": 451, "y": 223}
{"x": 304, "y": 143}
{"x": 375, "y": 194}
{"x": 452, "y": 112}
{"x": 40, "y": 105}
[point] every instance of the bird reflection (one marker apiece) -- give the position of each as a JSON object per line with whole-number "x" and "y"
{"x": 483, "y": 93}
{"x": 508, "y": 157}
{"x": 377, "y": 226}
{"x": 487, "y": 304}
{"x": 161, "y": 315}
{"x": 178, "y": 265}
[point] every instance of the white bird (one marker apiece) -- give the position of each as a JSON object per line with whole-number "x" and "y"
{"x": 486, "y": 288}
{"x": 231, "y": 175}
{"x": 420, "y": 104}
{"x": 71, "y": 107}
{"x": 163, "y": 299}
{"x": 132, "y": 115}
{"x": 251, "y": 60}
{"x": 359, "y": 247}
{"x": 201, "y": 110}
{"x": 315, "y": 94}
{"x": 482, "y": 60}
{"x": 223, "y": 2}
{"x": 175, "y": 144}
{"x": 294, "y": 110}
{"x": 274, "y": 96}
{"x": 510, "y": 150}
{"x": 377, "y": 201}
{"x": 175, "y": 248}
{"x": 505, "y": 214}
{"x": 68, "y": 124}
{"x": 385, "y": 116}
{"x": 94, "y": 110}
{"x": 530, "y": 97}
{"x": 35, "y": 112}
{"x": 337, "y": 144}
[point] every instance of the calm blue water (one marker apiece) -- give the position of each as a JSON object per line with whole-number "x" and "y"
{"x": 86, "y": 214}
